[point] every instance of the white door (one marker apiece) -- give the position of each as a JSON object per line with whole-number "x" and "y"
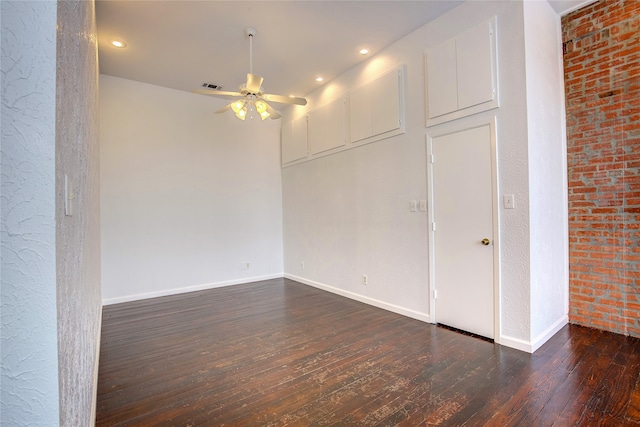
{"x": 462, "y": 233}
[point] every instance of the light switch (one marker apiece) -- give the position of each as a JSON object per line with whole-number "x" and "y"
{"x": 509, "y": 201}
{"x": 68, "y": 196}
{"x": 423, "y": 205}
{"x": 414, "y": 206}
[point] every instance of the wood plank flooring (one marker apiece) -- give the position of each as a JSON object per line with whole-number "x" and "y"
{"x": 279, "y": 353}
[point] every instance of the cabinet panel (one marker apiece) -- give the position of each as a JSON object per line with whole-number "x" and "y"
{"x": 385, "y": 103}
{"x": 316, "y": 131}
{"x": 474, "y": 66}
{"x": 364, "y": 115}
{"x": 294, "y": 140}
{"x": 337, "y": 123}
{"x": 462, "y": 75}
{"x": 442, "y": 90}
{"x": 327, "y": 127}
{"x": 360, "y": 118}
{"x": 376, "y": 108}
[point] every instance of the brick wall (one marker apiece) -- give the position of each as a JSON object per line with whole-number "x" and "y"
{"x": 602, "y": 86}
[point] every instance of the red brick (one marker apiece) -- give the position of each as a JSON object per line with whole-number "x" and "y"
{"x": 602, "y": 70}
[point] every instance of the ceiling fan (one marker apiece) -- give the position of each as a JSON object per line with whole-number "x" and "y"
{"x": 251, "y": 93}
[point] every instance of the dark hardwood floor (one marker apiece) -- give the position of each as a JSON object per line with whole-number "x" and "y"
{"x": 279, "y": 353}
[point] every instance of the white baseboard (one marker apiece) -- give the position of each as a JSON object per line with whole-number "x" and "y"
{"x": 551, "y": 331}
{"x": 532, "y": 346}
{"x": 361, "y": 298}
{"x": 96, "y": 367}
{"x": 175, "y": 291}
{"x": 517, "y": 343}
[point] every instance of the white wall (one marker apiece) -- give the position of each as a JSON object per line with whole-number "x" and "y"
{"x": 382, "y": 238}
{"x": 547, "y": 170}
{"x": 29, "y": 372}
{"x": 344, "y": 215}
{"x": 348, "y": 213}
{"x": 187, "y": 196}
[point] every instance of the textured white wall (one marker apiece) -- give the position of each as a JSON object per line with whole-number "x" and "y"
{"x": 348, "y": 214}
{"x": 187, "y": 196}
{"x": 29, "y": 372}
{"x": 513, "y": 177}
{"x": 547, "y": 170}
{"x": 77, "y": 236}
{"x": 344, "y": 215}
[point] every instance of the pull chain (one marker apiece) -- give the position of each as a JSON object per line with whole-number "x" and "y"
{"x": 251, "y": 53}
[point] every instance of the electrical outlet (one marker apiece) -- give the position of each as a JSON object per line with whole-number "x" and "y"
{"x": 365, "y": 279}
{"x": 302, "y": 265}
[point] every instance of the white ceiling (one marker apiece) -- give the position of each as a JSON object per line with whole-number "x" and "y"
{"x": 181, "y": 44}
{"x": 562, "y": 7}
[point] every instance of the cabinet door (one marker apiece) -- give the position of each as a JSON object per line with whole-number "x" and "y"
{"x": 327, "y": 127}
{"x": 462, "y": 75}
{"x": 360, "y": 119}
{"x": 385, "y": 104}
{"x": 475, "y": 66}
{"x": 294, "y": 140}
{"x": 375, "y": 108}
{"x": 442, "y": 88}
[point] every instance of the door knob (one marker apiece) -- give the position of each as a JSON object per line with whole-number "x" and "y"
{"x": 485, "y": 241}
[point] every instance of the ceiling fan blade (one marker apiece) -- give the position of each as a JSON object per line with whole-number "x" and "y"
{"x": 285, "y": 99}
{"x": 223, "y": 109}
{"x": 273, "y": 113}
{"x": 214, "y": 92}
{"x": 254, "y": 82}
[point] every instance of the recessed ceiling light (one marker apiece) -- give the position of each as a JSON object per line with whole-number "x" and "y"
{"x": 364, "y": 51}
{"x": 319, "y": 78}
{"x": 118, "y": 43}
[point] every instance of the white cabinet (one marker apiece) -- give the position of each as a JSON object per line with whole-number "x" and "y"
{"x": 475, "y": 66}
{"x": 369, "y": 113}
{"x": 327, "y": 127}
{"x": 462, "y": 75}
{"x": 442, "y": 90}
{"x": 294, "y": 140}
{"x": 375, "y": 109}
{"x": 360, "y": 114}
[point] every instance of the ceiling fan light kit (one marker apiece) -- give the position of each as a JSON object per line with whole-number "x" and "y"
{"x": 251, "y": 93}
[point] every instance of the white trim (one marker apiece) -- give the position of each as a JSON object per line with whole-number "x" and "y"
{"x": 176, "y": 291}
{"x": 446, "y": 129}
{"x": 551, "y": 331}
{"x": 567, "y": 6}
{"x": 565, "y": 178}
{"x": 532, "y": 346}
{"x": 497, "y": 257}
{"x": 96, "y": 367}
{"x": 430, "y": 235}
{"x": 516, "y": 343}
{"x": 424, "y": 317}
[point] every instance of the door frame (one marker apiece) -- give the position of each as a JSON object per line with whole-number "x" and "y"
{"x": 447, "y": 129}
